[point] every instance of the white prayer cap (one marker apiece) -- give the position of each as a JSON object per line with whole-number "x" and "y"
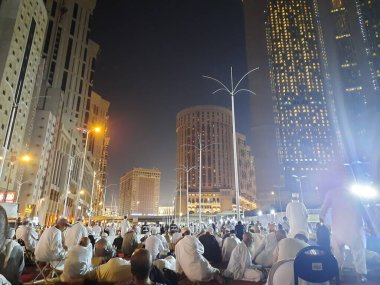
{"x": 104, "y": 235}
{"x": 295, "y": 196}
{"x": 153, "y": 230}
{"x": 185, "y": 229}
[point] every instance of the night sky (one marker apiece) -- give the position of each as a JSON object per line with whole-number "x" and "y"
{"x": 153, "y": 55}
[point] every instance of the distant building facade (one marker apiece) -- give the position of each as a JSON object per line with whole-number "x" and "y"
{"x": 140, "y": 192}
{"x": 209, "y": 129}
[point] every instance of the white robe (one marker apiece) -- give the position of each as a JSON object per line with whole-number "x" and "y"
{"x": 154, "y": 245}
{"x": 282, "y": 273}
{"x": 74, "y": 234}
{"x": 346, "y": 213}
{"x": 228, "y": 246}
{"x": 96, "y": 230}
{"x": 163, "y": 240}
{"x": 28, "y": 235}
{"x": 168, "y": 262}
{"x": 50, "y": 247}
{"x": 288, "y": 248}
{"x": 190, "y": 260}
{"x": 115, "y": 270}
{"x": 264, "y": 251}
{"x": 240, "y": 266}
{"x": 77, "y": 262}
{"x": 124, "y": 227}
{"x": 176, "y": 237}
{"x": 297, "y": 215}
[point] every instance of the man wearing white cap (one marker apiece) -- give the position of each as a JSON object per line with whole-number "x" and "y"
{"x": 75, "y": 233}
{"x": 297, "y": 215}
{"x": 153, "y": 244}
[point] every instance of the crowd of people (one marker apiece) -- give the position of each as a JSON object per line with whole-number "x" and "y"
{"x": 144, "y": 253}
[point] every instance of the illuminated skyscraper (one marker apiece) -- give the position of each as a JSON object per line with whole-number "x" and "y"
{"x": 213, "y": 124}
{"x": 305, "y": 132}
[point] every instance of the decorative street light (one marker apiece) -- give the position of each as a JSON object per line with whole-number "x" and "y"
{"x": 234, "y": 91}
{"x": 187, "y": 170}
{"x": 200, "y": 148}
{"x": 87, "y": 132}
{"x": 299, "y": 180}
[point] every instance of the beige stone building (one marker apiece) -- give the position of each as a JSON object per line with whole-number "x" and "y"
{"x": 140, "y": 192}
{"x": 23, "y": 25}
{"x": 209, "y": 129}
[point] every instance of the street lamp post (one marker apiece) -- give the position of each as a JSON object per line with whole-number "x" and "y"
{"x": 233, "y": 91}
{"x": 87, "y": 132}
{"x": 71, "y": 160}
{"x": 91, "y": 198}
{"x": 299, "y": 180}
{"x": 187, "y": 170}
{"x": 200, "y": 148}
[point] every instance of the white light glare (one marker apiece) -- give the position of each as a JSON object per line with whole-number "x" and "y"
{"x": 272, "y": 212}
{"x": 260, "y": 213}
{"x": 363, "y": 191}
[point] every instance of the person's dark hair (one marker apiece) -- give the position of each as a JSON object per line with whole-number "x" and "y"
{"x": 141, "y": 264}
{"x": 301, "y": 237}
{"x": 280, "y": 227}
{"x": 125, "y": 217}
{"x": 232, "y": 231}
{"x": 239, "y": 222}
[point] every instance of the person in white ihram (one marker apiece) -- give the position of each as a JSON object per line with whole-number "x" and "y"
{"x": 240, "y": 266}
{"x": 96, "y": 230}
{"x": 78, "y": 261}
{"x": 297, "y": 215}
{"x": 50, "y": 247}
{"x": 189, "y": 260}
{"x": 229, "y": 244}
{"x": 153, "y": 244}
{"x": 28, "y": 234}
{"x": 75, "y": 233}
{"x": 347, "y": 212}
{"x": 124, "y": 227}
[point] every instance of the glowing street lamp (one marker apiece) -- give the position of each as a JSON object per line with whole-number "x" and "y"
{"x": 364, "y": 191}
{"x": 299, "y": 180}
{"x": 234, "y": 91}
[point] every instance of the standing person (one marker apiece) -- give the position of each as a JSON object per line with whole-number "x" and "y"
{"x": 50, "y": 246}
{"x": 96, "y": 230}
{"x": 124, "y": 227}
{"x": 347, "y": 212}
{"x": 75, "y": 233}
{"x": 285, "y": 224}
{"x": 297, "y": 214}
{"x": 239, "y": 230}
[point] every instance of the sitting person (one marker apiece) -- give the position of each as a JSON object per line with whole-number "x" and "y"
{"x": 74, "y": 234}
{"x": 240, "y": 265}
{"x": 27, "y": 234}
{"x": 130, "y": 242}
{"x": 190, "y": 260}
{"x": 115, "y": 270}
{"x": 103, "y": 252}
{"x": 211, "y": 247}
{"x": 229, "y": 244}
{"x": 78, "y": 260}
{"x": 288, "y": 248}
{"x": 50, "y": 247}
{"x": 264, "y": 252}
{"x": 11, "y": 258}
{"x": 153, "y": 244}
{"x": 141, "y": 265}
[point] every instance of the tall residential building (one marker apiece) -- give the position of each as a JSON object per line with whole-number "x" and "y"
{"x": 98, "y": 147}
{"x": 302, "y": 103}
{"x": 22, "y": 30}
{"x": 140, "y": 192}
{"x": 208, "y": 128}
{"x": 65, "y": 93}
{"x": 354, "y": 49}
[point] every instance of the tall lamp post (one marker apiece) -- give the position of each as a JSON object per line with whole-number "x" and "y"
{"x": 187, "y": 170}
{"x": 87, "y": 132}
{"x": 91, "y": 198}
{"x": 200, "y": 148}
{"x": 299, "y": 180}
{"x": 234, "y": 91}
